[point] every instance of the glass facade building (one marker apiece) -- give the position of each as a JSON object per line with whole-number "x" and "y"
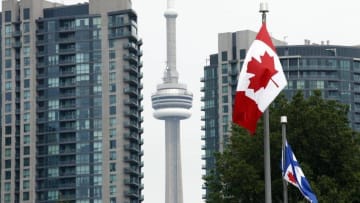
{"x": 71, "y": 102}
{"x": 334, "y": 70}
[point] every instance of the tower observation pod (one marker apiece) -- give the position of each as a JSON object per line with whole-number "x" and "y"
{"x": 171, "y": 103}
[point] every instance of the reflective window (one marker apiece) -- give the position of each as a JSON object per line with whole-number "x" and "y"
{"x": 26, "y": 27}
{"x": 53, "y": 195}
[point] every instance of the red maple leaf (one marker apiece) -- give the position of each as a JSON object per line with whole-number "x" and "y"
{"x": 263, "y": 71}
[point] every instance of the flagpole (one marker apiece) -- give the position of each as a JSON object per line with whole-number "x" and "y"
{"x": 283, "y": 121}
{"x": 264, "y": 9}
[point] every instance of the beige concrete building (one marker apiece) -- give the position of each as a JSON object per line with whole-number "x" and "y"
{"x": 70, "y": 102}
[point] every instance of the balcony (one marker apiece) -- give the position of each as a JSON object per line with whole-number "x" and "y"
{"x": 16, "y": 44}
{"x": 131, "y": 194}
{"x": 131, "y": 91}
{"x": 131, "y": 79}
{"x": 131, "y": 113}
{"x": 131, "y": 46}
{"x": 131, "y": 182}
{"x": 132, "y": 171}
{"x": 67, "y": 40}
{"x": 131, "y": 58}
{"x": 131, "y": 102}
{"x": 131, "y": 136}
{"x": 131, "y": 69}
{"x": 133, "y": 148}
{"x": 132, "y": 160}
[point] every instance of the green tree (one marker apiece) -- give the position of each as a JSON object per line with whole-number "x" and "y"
{"x": 319, "y": 133}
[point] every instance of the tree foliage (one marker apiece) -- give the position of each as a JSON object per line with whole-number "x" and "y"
{"x": 325, "y": 146}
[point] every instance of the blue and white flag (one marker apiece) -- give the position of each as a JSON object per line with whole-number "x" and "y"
{"x": 293, "y": 174}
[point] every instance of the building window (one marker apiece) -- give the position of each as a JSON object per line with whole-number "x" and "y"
{"x": 26, "y": 139}
{"x": 96, "y": 22}
{"x": 8, "y": 119}
{"x": 26, "y": 196}
{"x": 112, "y": 155}
{"x": 112, "y": 110}
{"x": 8, "y": 52}
{"x": 242, "y": 53}
{"x": 224, "y": 68}
{"x": 7, "y": 187}
{"x": 26, "y": 150}
{"x": 8, "y": 30}
{"x": 8, "y": 63}
{"x": 224, "y": 56}
{"x": 26, "y": 83}
{"x": 26, "y": 13}
{"x": 53, "y": 195}
{"x": 8, "y": 96}
{"x": 53, "y": 82}
{"x": 8, "y": 163}
{"x": 53, "y": 172}
{"x": 112, "y": 87}
{"x": 26, "y": 27}
{"x": 112, "y": 167}
{"x": 7, "y": 152}
{"x": 7, "y": 16}
{"x": 112, "y": 99}
{"x": 26, "y": 51}
{"x": 26, "y": 105}
{"x": 26, "y": 128}
{"x": 112, "y": 54}
{"x": 8, "y": 74}
{"x": 7, "y": 198}
{"x": 225, "y": 109}
{"x": 112, "y": 133}
{"x": 112, "y": 76}
{"x": 26, "y": 61}
{"x": 8, "y": 108}
{"x": 26, "y": 94}
{"x": 225, "y": 99}
{"x": 112, "y": 65}
{"x": 26, "y": 173}
{"x": 224, "y": 89}
{"x": 53, "y": 149}
{"x": 7, "y": 175}
{"x": 112, "y": 144}
{"x": 8, "y": 130}
{"x": 7, "y": 141}
{"x": 112, "y": 122}
{"x": 8, "y": 85}
{"x": 112, "y": 189}
{"x": 112, "y": 178}
{"x": 225, "y": 79}
{"x": 26, "y": 39}
{"x": 26, "y": 185}
{"x": 26, "y": 161}
{"x": 8, "y": 42}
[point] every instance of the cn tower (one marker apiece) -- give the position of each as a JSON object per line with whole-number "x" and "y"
{"x": 172, "y": 102}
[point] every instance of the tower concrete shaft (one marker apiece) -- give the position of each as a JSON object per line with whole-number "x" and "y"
{"x": 171, "y": 103}
{"x": 173, "y": 186}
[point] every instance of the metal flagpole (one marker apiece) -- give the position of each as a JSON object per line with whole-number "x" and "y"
{"x": 283, "y": 121}
{"x": 264, "y": 9}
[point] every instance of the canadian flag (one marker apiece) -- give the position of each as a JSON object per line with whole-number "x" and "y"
{"x": 261, "y": 79}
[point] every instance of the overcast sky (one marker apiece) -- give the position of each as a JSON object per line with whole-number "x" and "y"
{"x": 198, "y": 24}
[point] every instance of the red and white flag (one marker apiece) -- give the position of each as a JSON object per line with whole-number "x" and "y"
{"x": 261, "y": 79}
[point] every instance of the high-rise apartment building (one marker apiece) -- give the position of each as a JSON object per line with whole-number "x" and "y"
{"x": 70, "y": 102}
{"x": 335, "y": 70}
